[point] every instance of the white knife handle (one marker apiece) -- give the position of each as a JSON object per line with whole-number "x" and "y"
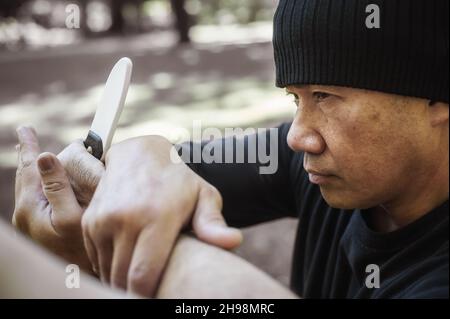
{"x": 109, "y": 109}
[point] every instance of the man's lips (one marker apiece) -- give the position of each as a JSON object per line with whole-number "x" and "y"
{"x": 319, "y": 177}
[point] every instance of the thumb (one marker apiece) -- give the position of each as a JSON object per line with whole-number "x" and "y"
{"x": 209, "y": 224}
{"x": 66, "y": 212}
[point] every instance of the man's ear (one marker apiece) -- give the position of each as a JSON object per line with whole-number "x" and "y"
{"x": 439, "y": 113}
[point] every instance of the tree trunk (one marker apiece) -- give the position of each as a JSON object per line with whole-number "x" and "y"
{"x": 182, "y": 23}
{"x": 117, "y": 19}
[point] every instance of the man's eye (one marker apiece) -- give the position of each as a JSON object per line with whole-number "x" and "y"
{"x": 320, "y": 96}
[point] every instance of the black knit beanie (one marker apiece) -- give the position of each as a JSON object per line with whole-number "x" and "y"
{"x": 328, "y": 42}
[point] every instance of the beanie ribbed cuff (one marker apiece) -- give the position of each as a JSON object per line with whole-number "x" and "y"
{"x": 327, "y": 42}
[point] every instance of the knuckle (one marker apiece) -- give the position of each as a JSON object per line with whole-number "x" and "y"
{"x": 20, "y": 218}
{"x": 154, "y": 210}
{"x": 71, "y": 149}
{"x": 54, "y": 186}
{"x": 116, "y": 216}
{"x": 112, "y": 219}
{"x": 74, "y": 147}
{"x": 124, "y": 219}
{"x": 23, "y": 166}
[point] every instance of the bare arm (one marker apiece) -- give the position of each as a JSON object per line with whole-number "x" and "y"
{"x": 195, "y": 270}
{"x": 29, "y": 271}
{"x": 199, "y": 270}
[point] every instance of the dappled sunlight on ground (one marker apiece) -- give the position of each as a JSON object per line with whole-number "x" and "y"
{"x": 64, "y": 117}
{"x": 226, "y": 82}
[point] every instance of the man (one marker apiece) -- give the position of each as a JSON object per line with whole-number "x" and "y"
{"x": 364, "y": 165}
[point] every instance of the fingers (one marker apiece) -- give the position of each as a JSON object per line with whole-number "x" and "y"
{"x": 104, "y": 255}
{"x": 28, "y": 192}
{"x": 209, "y": 224}
{"x": 89, "y": 247}
{"x": 28, "y": 145}
{"x": 80, "y": 164}
{"x": 150, "y": 256}
{"x": 83, "y": 169}
{"x": 66, "y": 212}
{"x": 123, "y": 252}
{"x": 28, "y": 151}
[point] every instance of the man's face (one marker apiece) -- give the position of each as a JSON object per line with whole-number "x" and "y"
{"x": 363, "y": 148}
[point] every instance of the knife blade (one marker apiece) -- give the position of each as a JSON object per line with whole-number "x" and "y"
{"x": 109, "y": 109}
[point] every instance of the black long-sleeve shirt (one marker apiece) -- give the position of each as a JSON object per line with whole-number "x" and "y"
{"x": 334, "y": 248}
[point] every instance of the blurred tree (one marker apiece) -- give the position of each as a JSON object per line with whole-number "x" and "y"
{"x": 10, "y": 8}
{"x": 181, "y": 17}
{"x": 117, "y": 13}
{"x": 255, "y": 7}
{"x": 235, "y": 11}
{"x": 182, "y": 20}
{"x": 126, "y": 15}
{"x": 118, "y": 21}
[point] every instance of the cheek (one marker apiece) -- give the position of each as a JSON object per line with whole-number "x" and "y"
{"x": 367, "y": 155}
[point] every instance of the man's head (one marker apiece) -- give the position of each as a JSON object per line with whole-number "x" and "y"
{"x": 365, "y": 147}
{"x": 364, "y": 113}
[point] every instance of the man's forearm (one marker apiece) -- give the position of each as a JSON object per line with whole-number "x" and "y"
{"x": 195, "y": 270}
{"x": 199, "y": 270}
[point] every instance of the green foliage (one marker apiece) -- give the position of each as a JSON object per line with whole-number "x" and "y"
{"x": 234, "y": 11}
{"x": 221, "y": 11}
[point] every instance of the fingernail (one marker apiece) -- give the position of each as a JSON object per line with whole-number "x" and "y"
{"x": 22, "y": 130}
{"x": 46, "y": 164}
{"x": 22, "y": 133}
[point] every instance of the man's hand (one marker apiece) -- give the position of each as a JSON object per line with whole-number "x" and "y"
{"x": 83, "y": 170}
{"x": 47, "y": 209}
{"x": 142, "y": 203}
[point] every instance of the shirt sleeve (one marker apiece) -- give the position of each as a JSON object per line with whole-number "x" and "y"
{"x": 250, "y": 172}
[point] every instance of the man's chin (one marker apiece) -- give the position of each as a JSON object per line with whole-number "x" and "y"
{"x": 343, "y": 200}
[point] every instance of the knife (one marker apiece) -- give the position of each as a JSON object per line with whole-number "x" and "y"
{"x": 108, "y": 111}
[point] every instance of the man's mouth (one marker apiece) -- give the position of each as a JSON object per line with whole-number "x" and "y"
{"x": 319, "y": 177}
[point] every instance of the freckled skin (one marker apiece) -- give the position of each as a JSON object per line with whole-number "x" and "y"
{"x": 383, "y": 149}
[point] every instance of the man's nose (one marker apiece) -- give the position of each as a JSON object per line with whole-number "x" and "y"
{"x": 303, "y": 137}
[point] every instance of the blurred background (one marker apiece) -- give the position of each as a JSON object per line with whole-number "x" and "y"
{"x": 207, "y": 60}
